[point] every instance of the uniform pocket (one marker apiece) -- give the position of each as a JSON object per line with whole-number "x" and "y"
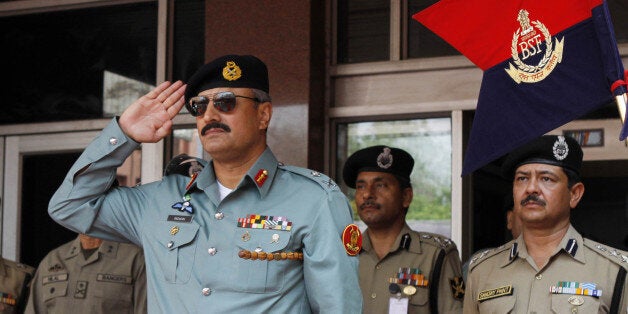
{"x": 256, "y": 275}
{"x": 111, "y": 297}
{"x": 174, "y": 249}
{"x": 419, "y": 299}
{"x": 499, "y": 305}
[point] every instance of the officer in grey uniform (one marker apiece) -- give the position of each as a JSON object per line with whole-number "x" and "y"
{"x": 247, "y": 234}
{"x": 89, "y": 275}
{"x": 401, "y": 270}
{"x": 550, "y": 267}
{"x": 14, "y": 284}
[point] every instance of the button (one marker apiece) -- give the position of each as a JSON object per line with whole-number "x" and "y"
{"x": 219, "y": 216}
{"x": 113, "y": 141}
{"x": 170, "y": 244}
{"x": 206, "y": 291}
{"x": 378, "y": 267}
{"x": 211, "y": 251}
{"x": 539, "y": 277}
{"x": 373, "y": 295}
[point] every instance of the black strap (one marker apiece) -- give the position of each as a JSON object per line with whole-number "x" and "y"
{"x": 619, "y": 286}
{"x": 434, "y": 282}
{"x": 20, "y": 305}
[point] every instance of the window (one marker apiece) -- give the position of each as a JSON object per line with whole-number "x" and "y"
{"x": 429, "y": 143}
{"x": 363, "y": 30}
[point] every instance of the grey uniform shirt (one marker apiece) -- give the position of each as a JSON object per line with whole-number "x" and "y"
{"x": 111, "y": 280}
{"x": 14, "y": 280}
{"x": 507, "y": 280}
{"x": 433, "y": 256}
{"x": 192, "y": 240}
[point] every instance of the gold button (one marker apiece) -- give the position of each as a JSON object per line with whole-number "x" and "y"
{"x": 373, "y": 295}
{"x": 539, "y": 277}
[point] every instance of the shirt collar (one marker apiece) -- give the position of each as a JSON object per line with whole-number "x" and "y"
{"x": 571, "y": 244}
{"x": 261, "y": 174}
{"x": 402, "y": 242}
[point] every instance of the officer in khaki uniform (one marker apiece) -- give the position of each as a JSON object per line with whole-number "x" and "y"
{"x": 550, "y": 267}
{"x": 89, "y": 275}
{"x": 401, "y": 270}
{"x": 14, "y": 283}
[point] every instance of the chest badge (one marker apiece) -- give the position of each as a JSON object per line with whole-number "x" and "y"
{"x": 184, "y": 206}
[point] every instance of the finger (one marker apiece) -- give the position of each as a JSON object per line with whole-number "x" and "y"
{"x": 157, "y": 90}
{"x": 168, "y": 91}
{"x": 174, "y": 109}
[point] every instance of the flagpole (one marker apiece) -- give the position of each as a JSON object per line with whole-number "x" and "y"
{"x": 621, "y": 106}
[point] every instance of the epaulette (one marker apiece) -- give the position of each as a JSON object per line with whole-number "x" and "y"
{"x": 616, "y": 256}
{"x": 324, "y": 181}
{"x": 437, "y": 240}
{"x": 485, "y": 254}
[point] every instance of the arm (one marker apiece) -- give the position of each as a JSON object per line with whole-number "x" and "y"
{"x": 470, "y": 305}
{"x": 35, "y": 304}
{"x": 451, "y": 286}
{"x": 81, "y": 202}
{"x": 330, "y": 274}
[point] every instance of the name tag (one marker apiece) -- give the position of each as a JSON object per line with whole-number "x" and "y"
{"x": 178, "y": 218}
{"x": 55, "y": 278}
{"x": 494, "y": 293}
{"x": 114, "y": 278}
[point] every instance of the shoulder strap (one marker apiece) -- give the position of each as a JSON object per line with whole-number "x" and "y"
{"x": 438, "y": 265}
{"x": 619, "y": 286}
{"x": 23, "y": 298}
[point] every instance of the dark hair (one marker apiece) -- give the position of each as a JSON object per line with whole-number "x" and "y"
{"x": 572, "y": 177}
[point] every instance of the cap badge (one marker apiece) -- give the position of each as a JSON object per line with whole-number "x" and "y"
{"x": 385, "y": 159}
{"x": 352, "y": 239}
{"x": 231, "y": 71}
{"x": 560, "y": 149}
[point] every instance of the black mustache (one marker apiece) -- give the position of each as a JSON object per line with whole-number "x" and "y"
{"x": 534, "y": 198}
{"x": 371, "y": 204}
{"x": 215, "y": 125}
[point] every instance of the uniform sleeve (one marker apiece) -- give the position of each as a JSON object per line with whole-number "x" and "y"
{"x": 451, "y": 286}
{"x": 35, "y": 302}
{"x": 330, "y": 274}
{"x": 139, "y": 288}
{"x": 470, "y": 306}
{"x": 85, "y": 204}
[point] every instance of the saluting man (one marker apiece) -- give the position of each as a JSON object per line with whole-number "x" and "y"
{"x": 246, "y": 234}
{"x": 550, "y": 267}
{"x": 401, "y": 270}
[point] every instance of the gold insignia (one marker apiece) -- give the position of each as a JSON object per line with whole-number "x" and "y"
{"x": 231, "y": 71}
{"x": 528, "y": 39}
{"x": 352, "y": 239}
{"x": 457, "y": 287}
{"x": 174, "y": 230}
{"x": 494, "y": 293}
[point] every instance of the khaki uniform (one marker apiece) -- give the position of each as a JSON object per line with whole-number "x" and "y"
{"x": 14, "y": 280}
{"x": 414, "y": 252}
{"x": 506, "y": 279}
{"x": 111, "y": 280}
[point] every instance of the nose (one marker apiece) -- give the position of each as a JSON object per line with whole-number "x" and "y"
{"x": 211, "y": 113}
{"x": 367, "y": 192}
{"x": 532, "y": 186}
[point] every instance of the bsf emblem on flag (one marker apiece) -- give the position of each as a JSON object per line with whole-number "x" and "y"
{"x": 529, "y": 39}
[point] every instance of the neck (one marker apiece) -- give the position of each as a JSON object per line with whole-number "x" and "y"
{"x": 89, "y": 242}
{"x": 229, "y": 172}
{"x": 383, "y": 239}
{"x": 541, "y": 244}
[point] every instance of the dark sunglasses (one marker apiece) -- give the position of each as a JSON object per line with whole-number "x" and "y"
{"x": 223, "y": 101}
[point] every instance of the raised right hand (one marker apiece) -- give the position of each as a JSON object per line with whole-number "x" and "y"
{"x": 149, "y": 119}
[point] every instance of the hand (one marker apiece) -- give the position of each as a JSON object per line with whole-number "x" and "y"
{"x": 149, "y": 119}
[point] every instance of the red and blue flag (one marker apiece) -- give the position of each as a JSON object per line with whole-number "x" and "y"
{"x": 545, "y": 64}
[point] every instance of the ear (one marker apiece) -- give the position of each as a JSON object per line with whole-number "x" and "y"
{"x": 407, "y": 195}
{"x": 264, "y": 114}
{"x": 576, "y": 192}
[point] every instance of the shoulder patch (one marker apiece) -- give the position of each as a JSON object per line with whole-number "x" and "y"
{"x": 617, "y": 256}
{"x": 437, "y": 240}
{"x": 486, "y": 254}
{"x": 323, "y": 180}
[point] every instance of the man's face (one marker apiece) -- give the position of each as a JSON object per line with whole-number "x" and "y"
{"x": 380, "y": 200}
{"x": 237, "y": 132}
{"x": 542, "y": 197}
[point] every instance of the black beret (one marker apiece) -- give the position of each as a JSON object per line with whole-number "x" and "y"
{"x": 378, "y": 159}
{"x": 184, "y": 165}
{"x": 229, "y": 71}
{"x": 556, "y": 150}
